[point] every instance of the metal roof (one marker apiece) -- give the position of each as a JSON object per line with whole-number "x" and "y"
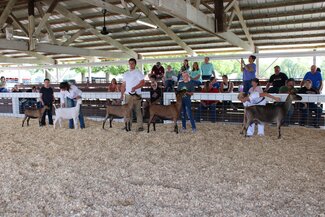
{"x": 269, "y": 23}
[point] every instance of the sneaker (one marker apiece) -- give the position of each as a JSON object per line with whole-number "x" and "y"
{"x": 193, "y": 130}
{"x": 260, "y": 134}
{"x": 183, "y": 130}
{"x": 316, "y": 126}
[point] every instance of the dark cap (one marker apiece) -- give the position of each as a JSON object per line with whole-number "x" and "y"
{"x": 256, "y": 80}
{"x": 276, "y": 66}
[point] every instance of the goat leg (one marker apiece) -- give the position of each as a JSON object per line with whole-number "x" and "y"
{"x": 279, "y": 129}
{"x": 28, "y": 121}
{"x": 149, "y": 122}
{"x": 106, "y": 117}
{"x": 110, "y": 121}
{"x": 126, "y": 126}
{"x": 24, "y": 121}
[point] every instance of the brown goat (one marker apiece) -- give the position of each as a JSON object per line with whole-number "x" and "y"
{"x": 34, "y": 113}
{"x": 121, "y": 111}
{"x": 166, "y": 111}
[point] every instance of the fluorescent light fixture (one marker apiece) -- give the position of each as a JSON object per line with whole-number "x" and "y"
{"x": 147, "y": 24}
{"x": 21, "y": 37}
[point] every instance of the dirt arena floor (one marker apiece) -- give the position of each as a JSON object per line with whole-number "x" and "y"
{"x": 214, "y": 172}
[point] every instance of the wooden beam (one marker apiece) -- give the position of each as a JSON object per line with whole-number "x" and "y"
{"x": 87, "y": 26}
{"x": 229, "y": 5}
{"x": 47, "y": 26}
{"x": 190, "y": 14}
{"x": 219, "y": 16}
{"x": 45, "y": 17}
{"x": 31, "y": 24}
{"x": 108, "y": 6}
{"x": 231, "y": 18}
{"x": 40, "y": 57}
{"x": 4, "y": 59}
{"x": 48, "y": 48}
{"x": 5, "y": 13}
{"x": 163, "y": 26}
{"x": 18, "y": 23}
{"x": 242, "y": 22}
{"x": 73, "y": 37}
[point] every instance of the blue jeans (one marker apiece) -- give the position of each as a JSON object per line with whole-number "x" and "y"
{"x": 247, "y": 85}
{"x": 212, "y": 108}
{"x": 206, "y": 77}
{"x": 196, "y": 82}
{"x": 72, "y": 103}
{"x": 169, "y": 86}
{"x": 187, "y": 110}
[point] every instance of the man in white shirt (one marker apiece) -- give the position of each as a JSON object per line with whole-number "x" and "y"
{"x": 133, "y": 81}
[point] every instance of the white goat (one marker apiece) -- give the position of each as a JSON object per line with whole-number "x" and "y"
{"x": 68, "y": 113}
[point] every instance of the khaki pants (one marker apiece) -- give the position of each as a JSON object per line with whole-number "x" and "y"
{"x": 137, "y": 108}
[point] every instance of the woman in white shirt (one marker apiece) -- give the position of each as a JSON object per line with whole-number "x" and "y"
{"x": 255, "y": 86}
{"x": 71, "y": 93}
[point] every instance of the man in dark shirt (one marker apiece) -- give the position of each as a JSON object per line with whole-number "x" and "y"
{"x": 47, "y": 98}
{"x": 310, "y": 106}
{"x": 278, "y": 79}
{"x": 158, "y": 70}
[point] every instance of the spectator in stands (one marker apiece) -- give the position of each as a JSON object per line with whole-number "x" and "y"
{"x": 133, "y": 81}
{"x": 215, "y": 83}
{"x": 16, "y": 89}
{"x": 185, "y": 68}
{"x": 207, "y": 69}
{"x": 306, "y": 108}
{"x": 255, "y": 98}
{"x": 226, "y": 85}
{"x": 71, "y": 93}
{"x": 289, "y": 87}
{"x": 249, "y": 72}
{"x": 158, "y": 70}
{"x": 188, "y": 85}
{"x": 316, "y": 78}
{"x": 113, "y": 86}
{"x": 208, "y": 104}
{"x": 255, "y": 86}
{"x": 277, "y": 80}
{"x": 47, "y": 98}
{"x": 3, "y": 85}
{"x": 169, "y": 79}
{"x": 156, "y": 94}
{"x": 196, "y": 74}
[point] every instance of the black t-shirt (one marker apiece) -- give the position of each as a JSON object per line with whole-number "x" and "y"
{"x": 304, "y": 90}
{"x": 278, "y": 80}
{"x": 47, "y": 95}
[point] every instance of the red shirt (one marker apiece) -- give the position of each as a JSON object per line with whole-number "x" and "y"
{"x": 212, "y": 90}
{"x": 159, "y": 72}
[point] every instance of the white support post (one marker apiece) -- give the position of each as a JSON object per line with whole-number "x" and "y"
{"x": 15, "y": 106}
{"x": 257, "y": 62}
{"x": 57, "y": 74}
{"x": 314, "y": 58}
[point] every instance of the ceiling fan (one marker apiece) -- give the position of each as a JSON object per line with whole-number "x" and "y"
{"x": 104, "y": 29}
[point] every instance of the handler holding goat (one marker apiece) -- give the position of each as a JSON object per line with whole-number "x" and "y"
{"x": 133, "y": 81}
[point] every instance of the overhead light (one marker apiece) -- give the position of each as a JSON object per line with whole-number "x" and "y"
{"x": 21, "y": 37}
{"x": 147, "y": 24}
{"x": 126, "y": 28}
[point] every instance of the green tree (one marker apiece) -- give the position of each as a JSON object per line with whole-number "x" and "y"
{"x": 292, "y": 69}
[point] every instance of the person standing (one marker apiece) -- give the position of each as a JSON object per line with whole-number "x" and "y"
{"x": 207, "y": 69}
{"x": 196, "y": 74}
{"x": 277, "y": 80}
{"x": 249, "y": 72}
{"x": 71, "y": 93}
{"x": 185, "y": 68}
{"x": 3, "y": 84}
{"x": 169, "y": 79}
{"x": 316, "y": 78}
{"x": 133, "y": 81}
{"x": 188, "y": 85}
{"x": 47, "y": 99}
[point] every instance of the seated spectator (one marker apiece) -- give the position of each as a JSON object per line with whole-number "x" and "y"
{"x": 3, "y": 85}
{"x": 316, "y": 78}
{"x": 226, "y": 85}
{"x": 207, "y": 69}
{"x": 169, "y": 79}
{"x": 158, "y": 70}
{"x": 196, "y": 74}
{"x": 289, "y": 87}
{"x": 306, "y": 108}
{"x": 208, "y": 104}
{"x": 255, "y": 86}
{"x": 156, "y": 95}
{"x": 114, "y": 87}
{"x": 277, "y": 80}
{"x": 215, "y": 83}
{"x": 16, "y": 89}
